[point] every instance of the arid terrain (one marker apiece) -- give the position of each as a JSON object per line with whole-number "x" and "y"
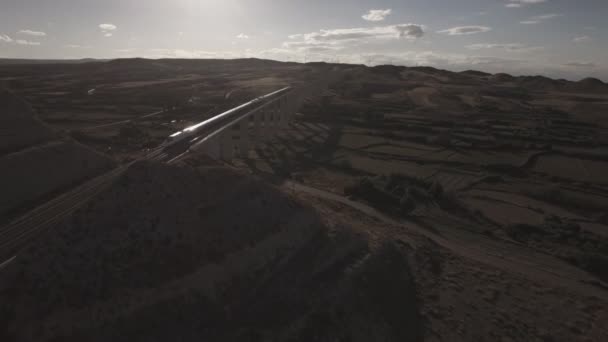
{"x": 406, "y": 204}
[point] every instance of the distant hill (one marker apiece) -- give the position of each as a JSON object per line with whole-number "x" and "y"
{"x": 17, "y": 61}
{"x": 475, "y": 73}
{"x": 168, "y": 65}
{"x": 541, "y": 83}
{"x": 35, "y": 162}
{"x": 502, "y": 77}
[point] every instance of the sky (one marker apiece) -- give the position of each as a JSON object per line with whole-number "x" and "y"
{"x": 556, "y": 38}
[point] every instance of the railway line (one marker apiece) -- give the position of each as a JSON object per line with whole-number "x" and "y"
{"x": 269, "y": 108}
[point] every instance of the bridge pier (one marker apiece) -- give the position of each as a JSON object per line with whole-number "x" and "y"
{"x": 257, "y": 129}
{"x": 267, "y": 130}
{"x": 285, "y": 113}
{"x": 211, "y": 147}
{"x": 244, "y": 137}
{"x": 227, "y": 145}
{"x": 274, "y": 113}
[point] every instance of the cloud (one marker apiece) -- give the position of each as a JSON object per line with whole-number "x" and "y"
{"x": 540, "y": 18}
{"x": 581, "y": 39}
{"x": 5, "y": 39}
{"x": 337, "y": 39}
{"x": 376, "y": 15}
{"x": 580, "y": 64}
{"x": 465, "y": 30}
{"x": 521, "y": 3}
{"x": 107, "y": 27}
{"x": 242, "y": 36}
{"x": 410, "y": 31}
{"x": 78, "y": 46}
{"x": 26, "y": 42}
{"x": 512, "y": 47}
{"x": 182, "y": 53}
{"x": 33, "y": 33}
{"x": 123, "y": 51}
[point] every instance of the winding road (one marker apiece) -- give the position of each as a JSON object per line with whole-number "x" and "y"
{"x": 505, "y": 255}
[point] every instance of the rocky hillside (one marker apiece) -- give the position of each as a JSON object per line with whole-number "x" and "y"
{"x": 197, "y": 253}
{"x": 35, "y": 162}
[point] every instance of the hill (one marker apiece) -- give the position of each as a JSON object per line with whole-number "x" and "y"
{"x": 35, "y": 162}
{"x": 210, "y": 253}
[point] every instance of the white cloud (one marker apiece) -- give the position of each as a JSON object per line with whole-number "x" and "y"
{"x": 33, "y": 33}
{"x": 410, "y": 31}
{"x": 512, "y": 47}
{"x": 78, "y": 46}
{"x": 123, "y": 51}
{"x": 5, "y": 39}
{"x": 580, "y": 64}
{"x": 581, "y": 39}
{"x": 465, "y": 30}
{"x": 26, "y": 42}
{"x": 376, "y": 15}
{"x": 242, "y": 36}
{"x": 182, "y": 53}
{"x": 337, "y": 39}
{"x": 540, "y": 18}
{"x": 107, "y": 27}
{"x": 521, "y": 3}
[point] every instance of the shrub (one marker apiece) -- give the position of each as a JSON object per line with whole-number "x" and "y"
{"x": 522, "y": 232}
{"x": 444, "y": 139}
{"x": 594, "y": 263}
{"x": 407, "y": 204}
{"x": 345, "y": 164}
{"x": 436, "y": 189}
{"x": 417, "y": 193}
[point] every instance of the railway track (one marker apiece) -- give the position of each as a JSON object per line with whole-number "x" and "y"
{"x": 15, "y": 235}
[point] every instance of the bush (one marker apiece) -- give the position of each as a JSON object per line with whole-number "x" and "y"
{"x": 450, "y": 202}
{"x": 407, "y": 204}
{"x": 594, "y": 263}
{"x": 444, "y": 139}
{"x": 493, "y": 179}
{"x": 418, "y": 193}
{"x": 345, "y": 164}
{"x": 436, "y": 189}
{"x": 522, "y": 232}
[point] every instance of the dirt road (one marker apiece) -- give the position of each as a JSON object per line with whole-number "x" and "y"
{"x": 504, "y": 255}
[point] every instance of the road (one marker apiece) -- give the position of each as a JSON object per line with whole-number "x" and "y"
{"x": 17, "y": 233}
{"x": 504, "y": 255}
{"x": 122, "y": 122}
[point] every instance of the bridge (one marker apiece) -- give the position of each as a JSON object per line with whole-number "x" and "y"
{"x": 238, "y": 130}
{"x": 222, "y": 137}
